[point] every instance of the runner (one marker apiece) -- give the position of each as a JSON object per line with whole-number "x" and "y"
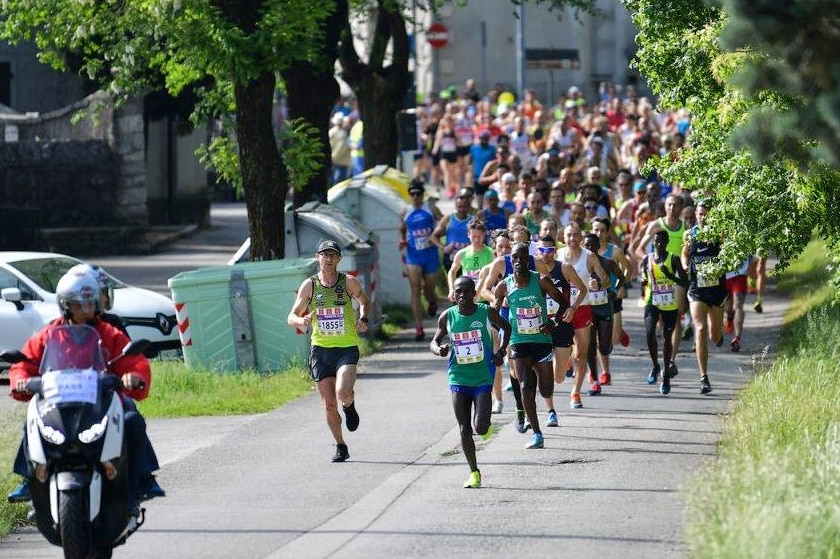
{"x": 585, "y": 264}
{"x": 454, "y": 227}
{"x": 501, "y": 247}
{"x": 471, "y": 364}
{"x": 675, "y": 227}
{"x": 661, "y": 272}
{"x": 706, "y": 295}
{"x": 602, "y": 302}
{"x": 563, "y": 276}
{"x": 469, "y": 260}
{"x": 736, "y": 289}
{"x": 422, "y": 257}
{"x": 323, "y": 302}
{"x": 531, "y": 348}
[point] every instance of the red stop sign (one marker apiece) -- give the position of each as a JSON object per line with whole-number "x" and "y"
{"x": 438, "y": 35}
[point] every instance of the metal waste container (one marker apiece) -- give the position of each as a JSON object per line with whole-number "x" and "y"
{"x": 379, "y": 205}
{"x": 234, "y": 317}
{"x": 314, "y": 222}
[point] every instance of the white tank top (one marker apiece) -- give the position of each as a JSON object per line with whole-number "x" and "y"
{"x": 580, "y": 267}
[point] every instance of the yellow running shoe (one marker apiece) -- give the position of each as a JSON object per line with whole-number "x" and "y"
{"x": 474, "y": 482}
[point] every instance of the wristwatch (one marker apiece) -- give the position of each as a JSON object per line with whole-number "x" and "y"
{"x": 364, "y": 319}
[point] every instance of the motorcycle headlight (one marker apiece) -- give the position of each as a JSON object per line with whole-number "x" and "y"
{"x": 94, "y": 432}
{"x": 55, "y": 436}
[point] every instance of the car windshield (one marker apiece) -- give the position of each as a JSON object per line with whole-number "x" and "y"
{"x": 46, "y": 272}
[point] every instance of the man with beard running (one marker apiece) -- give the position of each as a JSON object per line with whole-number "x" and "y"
{"x": 531, "y": 348}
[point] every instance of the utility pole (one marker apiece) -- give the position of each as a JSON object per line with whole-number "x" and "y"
{"x": 520, "y": 51}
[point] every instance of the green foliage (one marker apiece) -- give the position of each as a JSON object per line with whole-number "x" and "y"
{"x": 798, "y": 64}
{"x": 302, "y": 151}
{"x": 765, "y": 205}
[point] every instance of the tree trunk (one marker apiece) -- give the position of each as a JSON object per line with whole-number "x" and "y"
{"x": 379, "y": 114}
{"x": 264, "y": 177}
{"x": 312, "y": 92}
{"x": 380, "y": 89}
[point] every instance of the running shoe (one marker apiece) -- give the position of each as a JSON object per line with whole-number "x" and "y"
{"x": 595, "y": 389}
{"x": 433, "y": 309}
{"x": 735, "y": 344}
{"x": 575, "y": 402}
{"x": 351, "y": 416}
{"x": 654, "y": 374}
{"x": 552, "y": 419}
{"x": 605, "y": 379}
{"x": 665, "y": 387}
{"x": 671, "y": 369}
{"x": 570, "y": 373}
{"x": 536, "y": 441}
{"x": 705, "y": 385}
{"x": 498, "y": 406}
{"x": 719, "y": 343}
{"x": 728, "y": 327}
{"x": 341, "y": 453}
{"x": 520, "y": 421}
{"x": 687, "y": 332}
{"x": 759, "y": 308}
{"x": 509, "y": 387}
{"x": 419, "y": 335}
{"x": 474, "y": 481}
{"x": 625, "y": 339}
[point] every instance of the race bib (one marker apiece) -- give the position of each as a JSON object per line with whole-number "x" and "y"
{"x": 662, "y": 295}
{"x": 421, "y": 242}
{"x": 70, "y": 387}
{"x": 600, "y": 297}
{"x": 528, "y": 320}
{"x": 331, "y": 321}
{"x": 468, "y": 347}
{"x": 573, "y": 294}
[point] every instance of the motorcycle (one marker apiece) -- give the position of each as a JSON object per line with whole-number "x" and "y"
{"x": 75, "y": 448}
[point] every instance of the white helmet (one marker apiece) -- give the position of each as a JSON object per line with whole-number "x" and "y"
{"x": 105, "y": 286}
{"x": 76, "y": 287}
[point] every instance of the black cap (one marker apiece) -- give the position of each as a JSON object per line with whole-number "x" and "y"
{"x": 416, "y": 186}
{"x": 329, "y": 245}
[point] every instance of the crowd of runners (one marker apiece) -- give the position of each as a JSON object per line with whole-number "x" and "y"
{"x": 558, "y": 224}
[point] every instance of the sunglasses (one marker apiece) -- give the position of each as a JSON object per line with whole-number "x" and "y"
{"x": 416, "y": 194}
{"x": 545, "y": 250}
{"x": 590, "y": 207}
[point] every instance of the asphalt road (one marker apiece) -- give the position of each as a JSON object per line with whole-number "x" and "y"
{"x": 608, "y": 484}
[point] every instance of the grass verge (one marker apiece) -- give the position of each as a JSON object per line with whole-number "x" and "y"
{"x": 773, "y": 490}
{"x": 180, "y": 392}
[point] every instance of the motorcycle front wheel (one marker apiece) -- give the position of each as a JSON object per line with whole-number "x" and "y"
{"x": 71, "y": 524}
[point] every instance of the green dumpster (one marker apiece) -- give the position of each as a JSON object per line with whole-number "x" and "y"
{"x": 234, "y": 317}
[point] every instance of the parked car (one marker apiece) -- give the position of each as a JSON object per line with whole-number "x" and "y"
{"x": 27, "y": 289}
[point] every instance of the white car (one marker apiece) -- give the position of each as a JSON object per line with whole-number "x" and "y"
{"x": 27, "y": 288}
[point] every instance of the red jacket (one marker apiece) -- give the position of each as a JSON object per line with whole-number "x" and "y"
{"x": 113, "y": 342}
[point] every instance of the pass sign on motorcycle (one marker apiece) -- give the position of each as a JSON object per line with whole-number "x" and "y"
{"x": 74, "y": 447}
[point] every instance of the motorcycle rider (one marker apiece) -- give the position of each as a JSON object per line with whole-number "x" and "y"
{"x": 77, "y": 293}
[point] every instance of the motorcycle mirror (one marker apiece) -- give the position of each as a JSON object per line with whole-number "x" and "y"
{"x": 135, "y": 347}
{"x": 12, "y": 356}
{"x": 33, "y": 385}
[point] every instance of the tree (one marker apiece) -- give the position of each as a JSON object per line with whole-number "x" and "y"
{"x": 237, "y": 46}
{"x": 762, "y": 205}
